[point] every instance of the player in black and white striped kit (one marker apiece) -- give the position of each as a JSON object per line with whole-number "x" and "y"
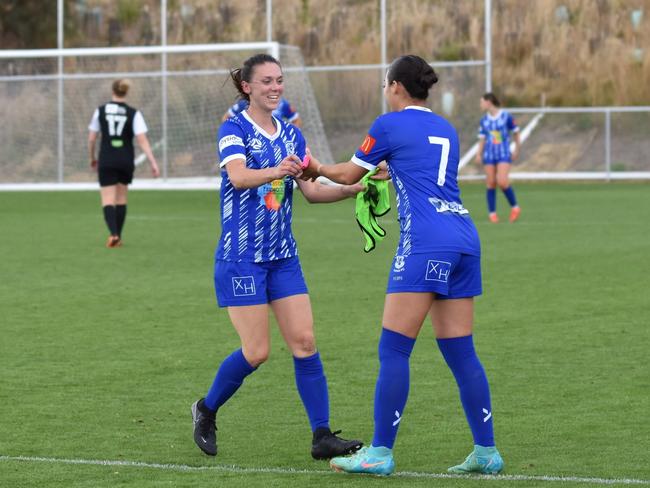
{"x": 118, "y": 124}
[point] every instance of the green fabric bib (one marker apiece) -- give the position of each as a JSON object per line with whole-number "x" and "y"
{"x": 372, "y": 203}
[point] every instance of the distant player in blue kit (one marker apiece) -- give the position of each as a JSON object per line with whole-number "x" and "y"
{"x": 494, "y": 153}
{"x": 436, "y": 270}
{"x": 256, "y": 262}
{"x": 285, "y": 111}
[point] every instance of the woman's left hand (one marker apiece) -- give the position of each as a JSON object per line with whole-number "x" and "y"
{"x": 310, "y": 172}
{"x": 382, "y": 172}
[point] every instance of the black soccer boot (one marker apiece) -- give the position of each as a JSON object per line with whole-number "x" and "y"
{"x": 205, "y": 429}
{"x": 326, "y": 444}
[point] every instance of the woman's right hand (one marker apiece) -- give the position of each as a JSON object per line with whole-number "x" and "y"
{"x": 289, "y": 166}
{"x": 478, "y": 158}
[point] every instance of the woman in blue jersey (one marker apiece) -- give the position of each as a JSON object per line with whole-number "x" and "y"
{"x": 257, "y": 264}
{"x": 494, "y": 153}
{"x": 436, "y": 270}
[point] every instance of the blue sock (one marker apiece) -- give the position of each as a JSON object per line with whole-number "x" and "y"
{"x": 312, "y": 387}
{"x": 392, "y": 388}
{"x": 491, "y": 199}
{"x": 229, "y": 378}
{"x": 461, "y": 358}
{"x": 510, "y": 195}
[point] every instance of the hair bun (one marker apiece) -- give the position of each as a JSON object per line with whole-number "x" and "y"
{"x": 428, "y": 77}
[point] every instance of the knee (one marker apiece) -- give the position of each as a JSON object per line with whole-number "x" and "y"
{"x": 304, "y": 344}
{"x": 503, "y": 182}
{"x": 256, "y": 355}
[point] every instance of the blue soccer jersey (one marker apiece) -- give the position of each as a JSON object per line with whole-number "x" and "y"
{"x": 496, "y": 132}
{"x": 422, "y": 152}
{"x": 256, "y": 222}
{"x": 284, "y": 111}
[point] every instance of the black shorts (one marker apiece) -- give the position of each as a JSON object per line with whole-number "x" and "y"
{"x": 114, "y": 175}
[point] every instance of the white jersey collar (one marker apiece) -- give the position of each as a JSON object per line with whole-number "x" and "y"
{"x": 495, "y": 117}
{"x": 270, "y": 137}
{"x": 418, "y": 107}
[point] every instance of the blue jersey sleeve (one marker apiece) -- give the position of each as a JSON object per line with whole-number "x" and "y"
{"x": 286, "y": 111}
{"x": 230, "y": 142}
{"x": 238, "y": 107}
{"x": 511, "y": 124}
{"x": 374, "y": 149}
{"x": 482, "y": 131}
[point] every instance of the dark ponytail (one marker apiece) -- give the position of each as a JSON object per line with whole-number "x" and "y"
{"x": 246, "y": 72}
{"x": 414, "y": 73}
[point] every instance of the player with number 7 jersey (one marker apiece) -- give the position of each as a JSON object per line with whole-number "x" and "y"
{"x": 436, "y": 270}
{"x": 422, "y": 151}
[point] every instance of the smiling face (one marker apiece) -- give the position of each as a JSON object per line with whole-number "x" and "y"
{"x": 265, "y": 88}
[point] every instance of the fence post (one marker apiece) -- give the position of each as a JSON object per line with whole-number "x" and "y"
{"x": 163, "y": 88}
{"x": 488, "y": 46}
{"x": 608, "y": 144}
{"x": 269, "y": 20}
{"x": 382, "y": 54}
{"x": 60, "y": 94}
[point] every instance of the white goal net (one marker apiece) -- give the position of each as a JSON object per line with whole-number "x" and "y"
{"x": 47, "y": 98}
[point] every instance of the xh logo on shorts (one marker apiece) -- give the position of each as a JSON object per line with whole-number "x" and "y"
{"x": 243, "y": 286}
{"x": 437, "y": 271}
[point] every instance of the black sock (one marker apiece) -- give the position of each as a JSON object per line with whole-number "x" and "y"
{"x": 110, "y": 218}
{"x": 120, "y": 212}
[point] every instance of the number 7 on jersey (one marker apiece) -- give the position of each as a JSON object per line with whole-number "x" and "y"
{"x": 444, "y": 157}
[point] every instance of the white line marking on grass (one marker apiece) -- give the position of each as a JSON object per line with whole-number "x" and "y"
{"x": 290, "y": 471}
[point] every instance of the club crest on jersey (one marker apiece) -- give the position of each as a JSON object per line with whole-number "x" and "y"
{"x": 400, "y": 263}
{"x": 272, "y": 195}
{"x": 291, "y": 147}
{"x": 367, "y": 144}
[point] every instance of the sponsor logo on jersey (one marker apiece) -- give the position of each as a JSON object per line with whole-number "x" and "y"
{"x": 230, "y": 140}
{"x": 272, "y": 195}
{"x": 368, "y": 144}
{"x": 496, "y": 137}
{"x": 256, "y": 144}
{"x": 113, "y": 108}
{"x": 444, "y": 206}
{"x": 437, "y": 271}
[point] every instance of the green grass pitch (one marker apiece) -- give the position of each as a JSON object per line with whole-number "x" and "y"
{"x": 102, "y": 351}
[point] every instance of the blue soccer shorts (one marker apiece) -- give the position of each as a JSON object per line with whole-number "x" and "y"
{"x": 507, "y": 159}
{"x": 240, "y": 284}
{"x": 447, "y": 274}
